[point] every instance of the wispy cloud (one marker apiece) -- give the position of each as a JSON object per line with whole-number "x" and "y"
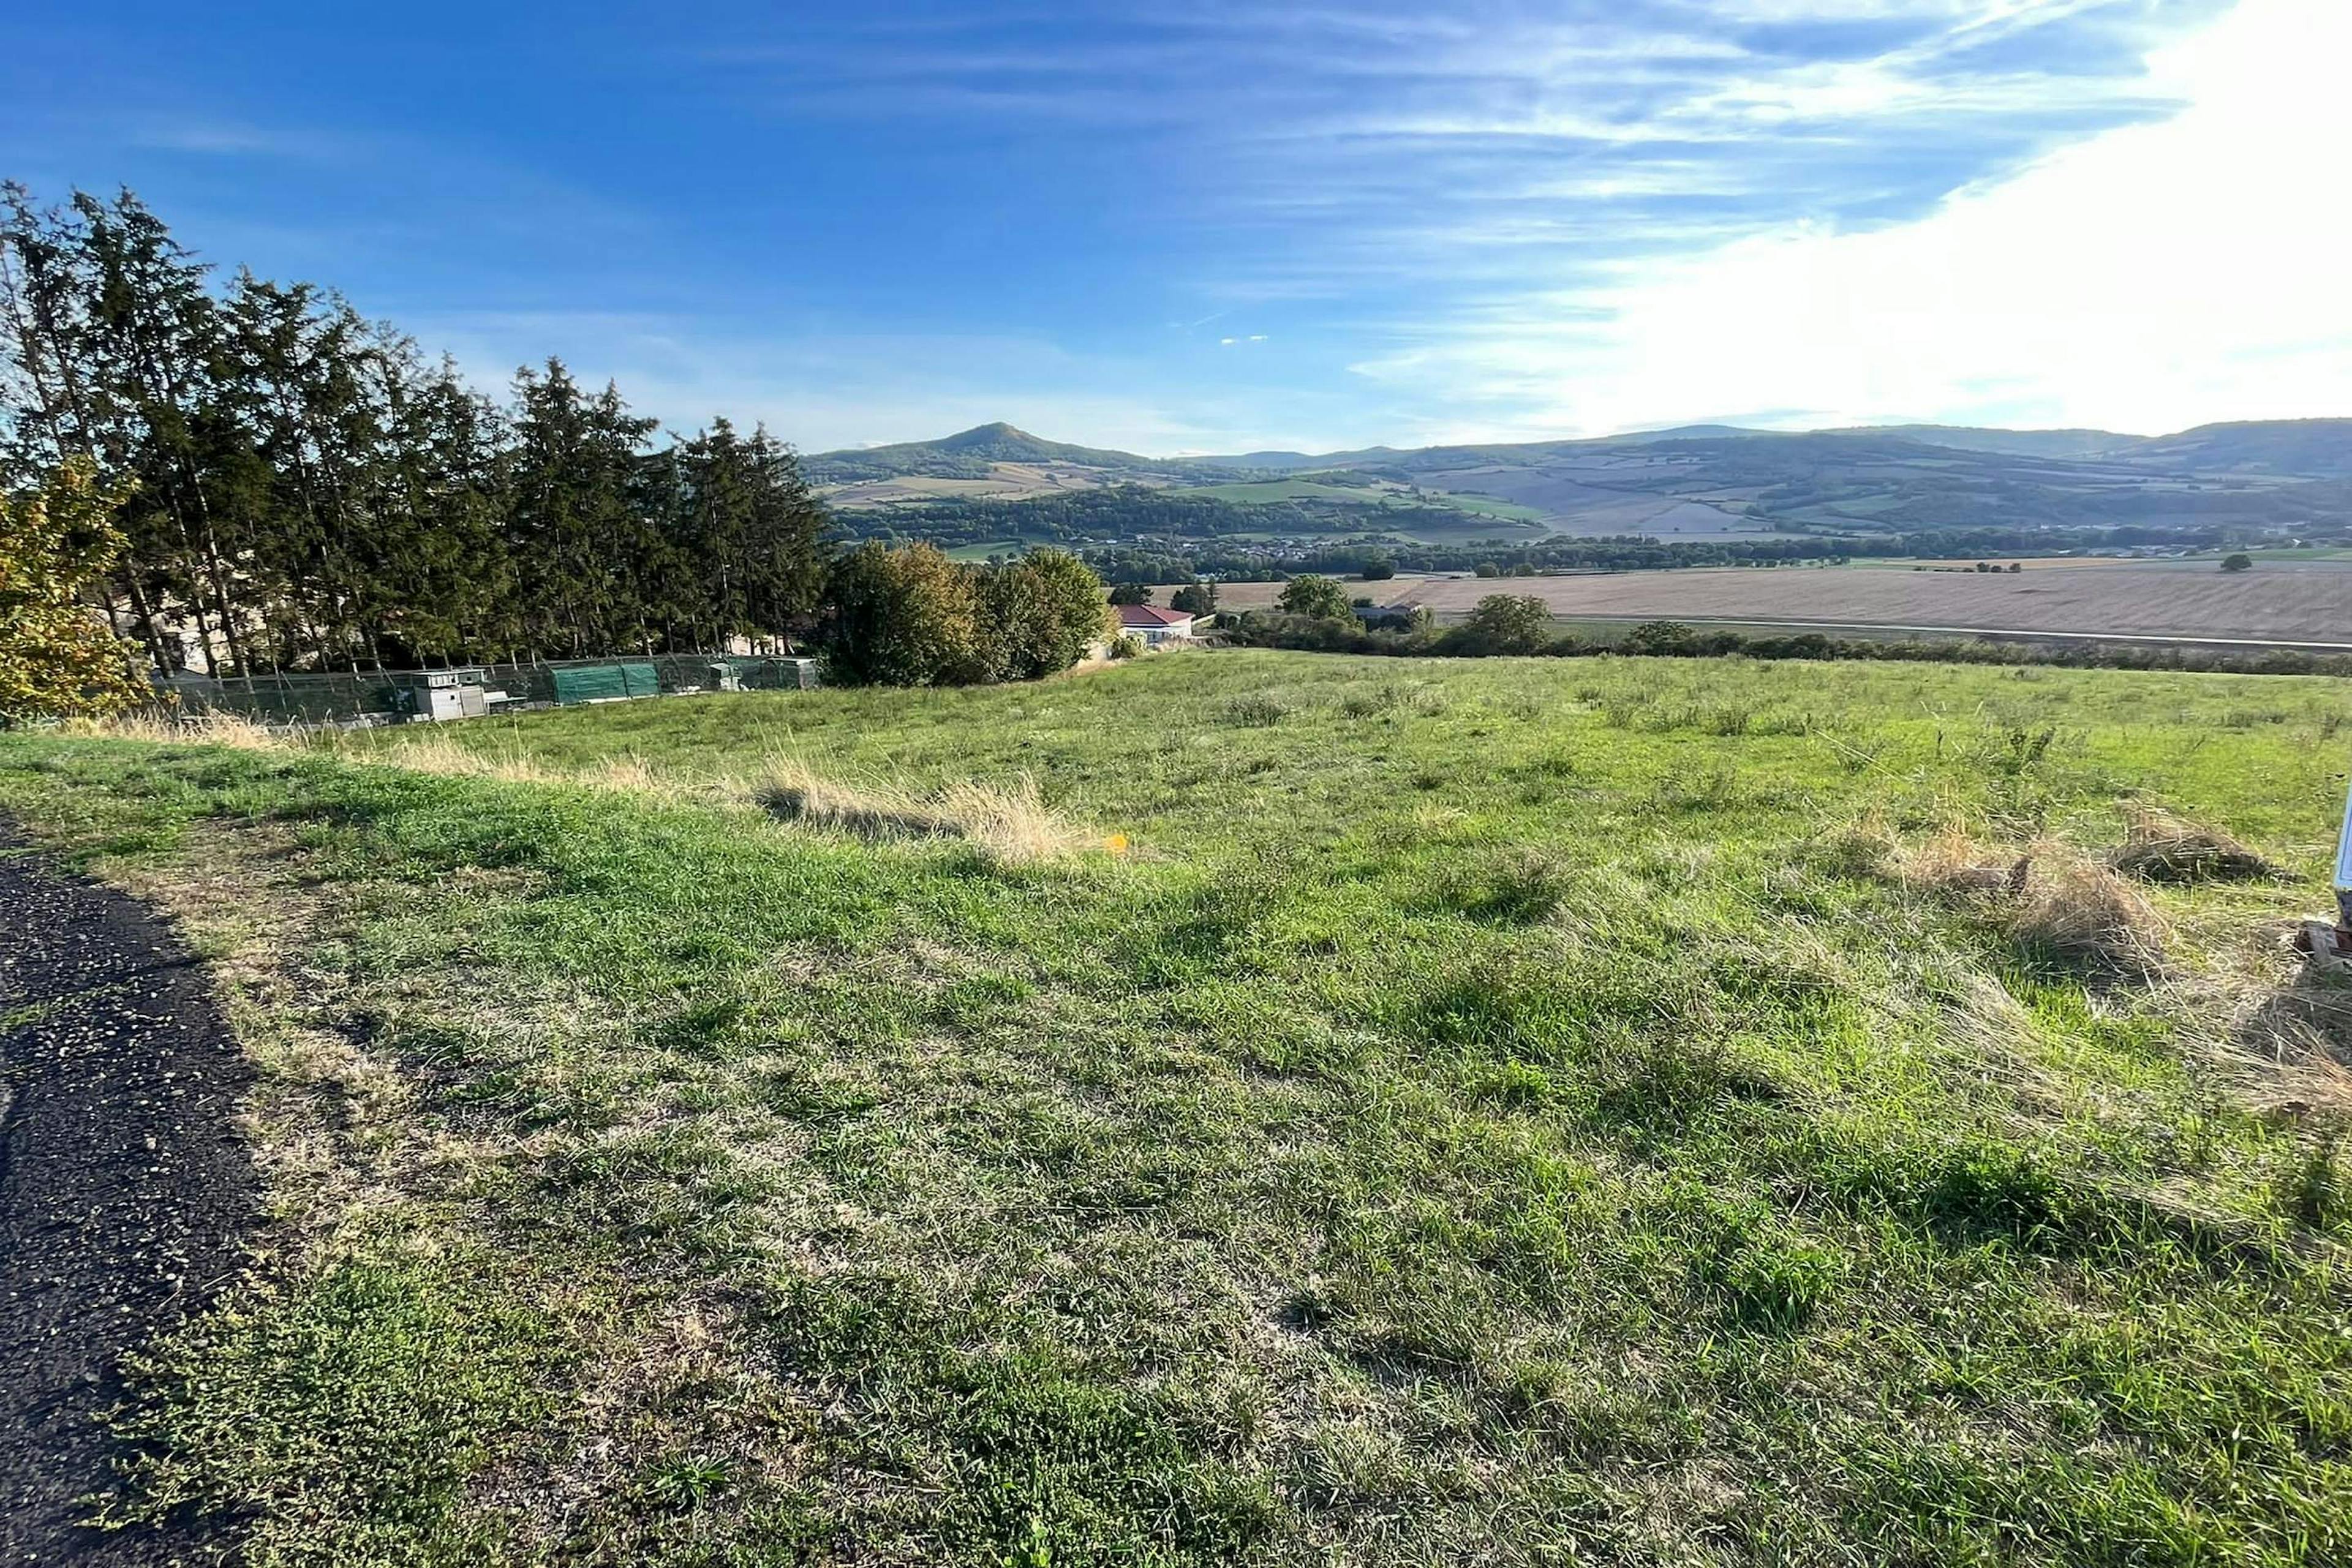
{"x": 1104, "y": 219}
{"x": 1536, "y": 217}
{"x": 2150, "y": 275}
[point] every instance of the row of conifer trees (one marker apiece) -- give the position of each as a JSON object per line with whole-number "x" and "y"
{"x": 299, "y": 488}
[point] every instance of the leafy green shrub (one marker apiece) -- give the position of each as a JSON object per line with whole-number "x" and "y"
{"x": 1501, "y": 623}
{"x": 1318, "y": 597}
{"x": 912, "y": 616}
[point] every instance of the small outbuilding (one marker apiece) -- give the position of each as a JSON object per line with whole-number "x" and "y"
{"x": 1154, "y": 625}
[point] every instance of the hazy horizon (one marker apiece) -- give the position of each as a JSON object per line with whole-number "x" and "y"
{"x": 1894, "y": 424}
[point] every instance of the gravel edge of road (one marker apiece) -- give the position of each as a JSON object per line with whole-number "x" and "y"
{"x": 127, "y": 1190}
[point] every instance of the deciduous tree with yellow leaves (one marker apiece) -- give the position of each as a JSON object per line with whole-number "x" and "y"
{"x": 56, "y": 657}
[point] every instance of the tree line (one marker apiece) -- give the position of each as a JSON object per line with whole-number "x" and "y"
{"x": 1132, "y": 511}
{"x": 297, "y": 487}
{"x": 1179, "y": 561}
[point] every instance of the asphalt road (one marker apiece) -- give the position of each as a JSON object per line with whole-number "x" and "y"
{"x": 125, "y": 1190}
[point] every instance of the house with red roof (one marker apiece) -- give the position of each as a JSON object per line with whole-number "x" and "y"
{"x": 1153, "y": 624}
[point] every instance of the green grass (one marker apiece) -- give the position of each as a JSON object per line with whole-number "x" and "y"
{"x": 2304, "y": 552}
{"x": 982, "y": 551}
{"x": 1494, "y": 1113}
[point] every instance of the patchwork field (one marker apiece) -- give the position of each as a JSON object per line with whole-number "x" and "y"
{"x": 2278, "y": 601}
{"x": 1262, "y": 596}
{"x": 1569, "y": 505}
{"x": 1366, "y": 487}
{"x": 1006, "y": 481}
{"x": 1261, "y": 1108}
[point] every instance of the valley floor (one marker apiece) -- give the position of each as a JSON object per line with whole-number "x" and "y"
{"x": 1270, "y": 1107}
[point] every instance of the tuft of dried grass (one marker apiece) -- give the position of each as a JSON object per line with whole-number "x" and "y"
{"x": 2080, "y": 911}
{"x": 632, "y": 775}
{"x": 2282, "y": 1037}
{"x": 2045, "y": 895}
{"x": 230, "y": 729}
{"x": 627, "y": 774}
{"x": 1863, "y": 846}
{"x": 2160, "y": 847}
{"x": 1011, "y": 824}
{"x": 1955, "y": 866}
{"x": 794, "y": 792}
{"x": 441, "y": 753}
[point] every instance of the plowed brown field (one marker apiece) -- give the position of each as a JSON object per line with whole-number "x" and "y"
{"x": 2305, "y": 602}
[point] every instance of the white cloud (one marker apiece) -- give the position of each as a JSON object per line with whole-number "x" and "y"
{"x": 2150, "y": 277}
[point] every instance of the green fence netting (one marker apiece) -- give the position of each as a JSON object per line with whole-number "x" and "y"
{"x": 342, "y": 697}
{"x": 606, "y": 682}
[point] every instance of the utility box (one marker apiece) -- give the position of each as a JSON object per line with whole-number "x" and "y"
{"x": 435, "y": 695}
{"x": 2330, "y": 946}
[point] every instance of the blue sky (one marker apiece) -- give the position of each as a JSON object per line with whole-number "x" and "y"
{"x": 1209, "y": 226}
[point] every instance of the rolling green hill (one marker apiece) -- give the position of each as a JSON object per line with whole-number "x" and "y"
{"x": 1267, "y": 1109}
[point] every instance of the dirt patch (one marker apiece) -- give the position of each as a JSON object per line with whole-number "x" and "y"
{"x": 125, "y": 1187}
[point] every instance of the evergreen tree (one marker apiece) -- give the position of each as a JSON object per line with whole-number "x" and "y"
{"x": 784, "y": 566}
{"x": 296, "y": 487}
{"x": 150, "y": 350}
{"x": 584, "y": 548}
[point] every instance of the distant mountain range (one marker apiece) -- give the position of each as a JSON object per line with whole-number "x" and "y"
{"x": 1699, "y": 480}
{"x": 2313, "y": 447}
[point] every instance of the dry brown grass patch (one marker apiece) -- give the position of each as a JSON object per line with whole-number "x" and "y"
{"x": 439, "y": 754}
{"x": 2046, "y": 895}
{"x": 1955, "y": 866}
{"x": 184, "y": 728}
{"x": 627, "y": 774}
{"x": 2287, "y": 1044}
{"x": 2160, "y": 847}
{"x": 2080, "y": 910}
{"x": 1011, "y": 823}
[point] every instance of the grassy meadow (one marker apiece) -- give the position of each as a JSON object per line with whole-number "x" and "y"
{"x": 1249, "y": 1107}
